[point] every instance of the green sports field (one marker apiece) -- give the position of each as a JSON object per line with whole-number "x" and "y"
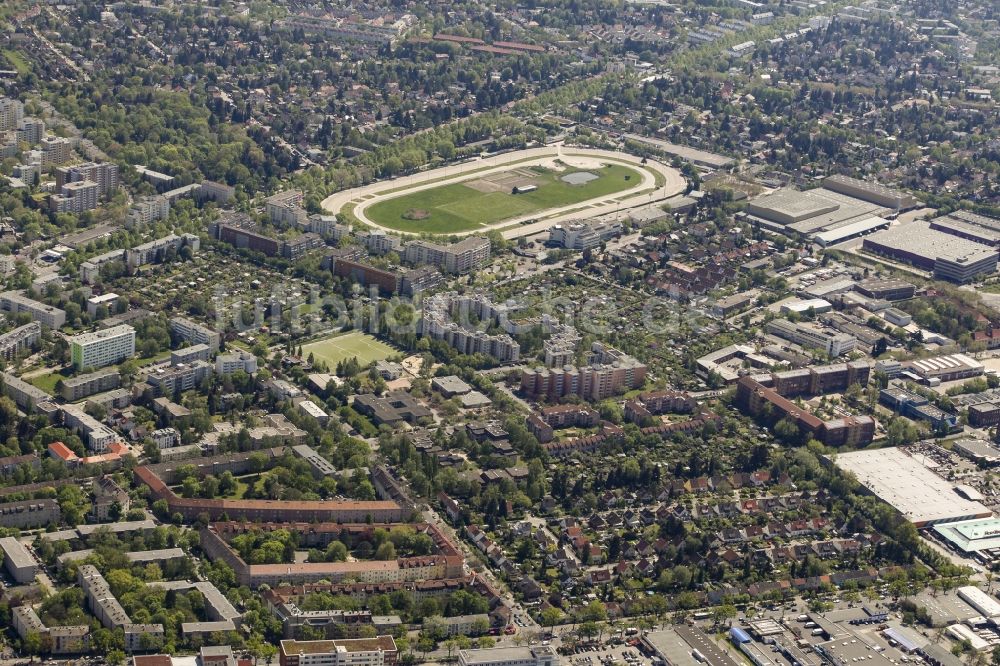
{"x": 360, "y": 345}
{"x": 486, "y": 200}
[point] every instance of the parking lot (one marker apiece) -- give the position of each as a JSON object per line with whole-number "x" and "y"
{"x": 604, "y": 655}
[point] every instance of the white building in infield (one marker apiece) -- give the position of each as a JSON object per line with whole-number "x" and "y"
{"x": 100, "y": 348}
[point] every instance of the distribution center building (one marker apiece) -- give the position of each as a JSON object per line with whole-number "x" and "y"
{"x": 949, "y": 257}
{"x": 903, "y": 482}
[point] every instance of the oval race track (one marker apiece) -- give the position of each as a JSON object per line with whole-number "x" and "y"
{"x": 642, "y": 194}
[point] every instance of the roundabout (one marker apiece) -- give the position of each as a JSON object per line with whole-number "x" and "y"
{"x": 519, "y": 193}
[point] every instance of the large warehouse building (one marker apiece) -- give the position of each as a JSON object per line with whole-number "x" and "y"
{"x": 820, "y": 212}
{"x": 978, "y": 228}
{"x": 872, "y": 192}
{"x": 903, "y": 482}
{"x": 949, "y": 257}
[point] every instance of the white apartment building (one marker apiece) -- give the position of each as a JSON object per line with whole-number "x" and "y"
{"x": 461, "y": 257}
{"x": 148, "y": 210}
{"x": 107, "y": 300}
{"x": 100, "y": 348}
{"x": 56, "y": 150}
{"x": 97, "y": 435}
{"x": 284, "y": 209}
{"x": 31, "y": 131}
{"x": 583, "y": 235}
{"x": 105, "y": 174}
{"x": 195, "y": 333}
{"x": 75, "y": 197}
{"x": 155, "y": 250}
{"x": 227, "y": 364}
{"x": 165, "y": 438}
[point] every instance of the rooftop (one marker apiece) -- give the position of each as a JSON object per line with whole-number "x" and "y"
{"x": 917, "y": 238}
{"x": 900, "y": 480}
{"x": 383, "y": 643}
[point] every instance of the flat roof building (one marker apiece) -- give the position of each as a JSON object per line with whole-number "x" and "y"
{"x": 903, "y": 482}
{"x": 962, "y": 223}
{"x": 378, "y": 651}
{"x": 15, "y": 302}
{"x": 886, "y": 289}
{"x": 830, "y": 216}
{"x": 817, "y": 305}
{"x": 450, "y": 386}
{"x": 986, "y": 605}
{"x": 949, "y": 257}
{"x": 946, "y": 368}
{"x": 831, "y": 342}
{"x": 971, "y": 536}
{"x": 104, "y": 347}
{"x": 321, "y": 466}
{"x": 535, "y": 655}
{"x": 195, "y": 333}
{"x": 869, "y": 191}
{"x": 17, "y": 560}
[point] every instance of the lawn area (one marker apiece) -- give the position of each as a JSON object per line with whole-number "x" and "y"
{"x": 464, "y": 207}
{"x": 360, "y": 345}
{"x": 47, "y": 382}
{"x": 17, "y": 61}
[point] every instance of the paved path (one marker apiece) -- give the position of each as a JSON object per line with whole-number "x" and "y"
{"x": 642, "y": 194}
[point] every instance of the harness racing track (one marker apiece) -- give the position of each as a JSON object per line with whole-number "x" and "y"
{"x": 355, "y": 202}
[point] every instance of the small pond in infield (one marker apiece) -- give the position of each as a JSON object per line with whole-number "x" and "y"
{"x": 579, "y": 177}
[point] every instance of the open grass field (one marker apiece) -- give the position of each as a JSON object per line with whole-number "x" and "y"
{"x": 48, "y": 381}
{"x": 16, "y": 61}
{"x": 486, "y": 200}
{"x": 360, "y": 345}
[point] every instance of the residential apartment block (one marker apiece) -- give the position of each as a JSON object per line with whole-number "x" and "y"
{"x": 284, "y": 209}
{"x": 18, "y": 340}
{"x": 15, "y": 302}
{"x": 195, "y": 333}
{"x": 104, "y": 347}
{"x": 110, "y": 613}
{"x": 378, "y": 651}
{"x": 81, "y": 386}
{"x": 610, "y": 372}
{"x": 154, "y": 251}
{"x": 27, "y": 514}
{"x": 461, "y": 257}
{"x": 438, "y": 323}
{"x": 582, "y": 234}
{"x": 103, "y": 174}
{"x": 75, "y": 197}
{"x": 227, "y": 364}
{"x": 17, "y": 560}
{"x": 756, "y": 399}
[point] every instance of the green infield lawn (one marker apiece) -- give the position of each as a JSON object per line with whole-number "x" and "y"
{"x": 340, "y": 347}
{"x": 459, "y": 207}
